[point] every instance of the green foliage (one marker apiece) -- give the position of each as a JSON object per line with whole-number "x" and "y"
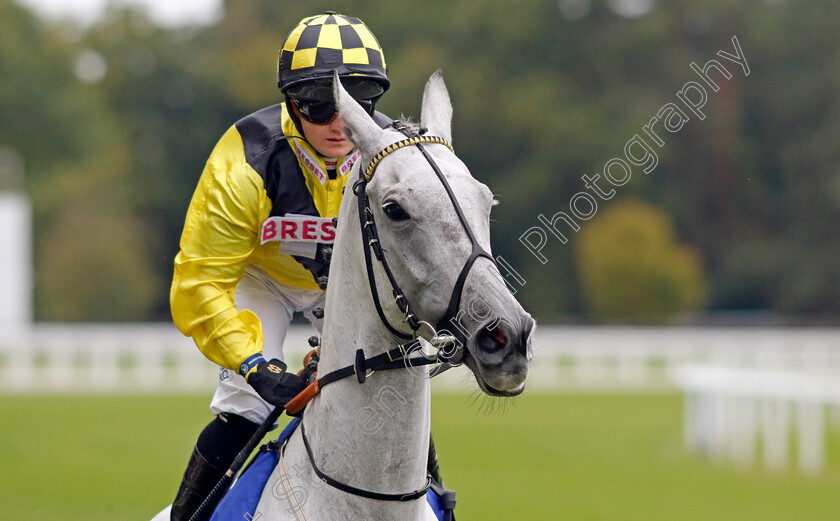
{"x": 541, "y": 98}
{"x": 90, "y": 247}
{"x": 631, "y": 267}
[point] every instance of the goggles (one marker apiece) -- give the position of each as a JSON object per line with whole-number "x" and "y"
{"x": 323, "y": 112}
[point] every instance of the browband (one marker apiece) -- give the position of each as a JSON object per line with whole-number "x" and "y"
{"x": 393, "y": 147}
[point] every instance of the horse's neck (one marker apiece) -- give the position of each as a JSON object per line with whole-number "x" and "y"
{"x": 373, "y": 435}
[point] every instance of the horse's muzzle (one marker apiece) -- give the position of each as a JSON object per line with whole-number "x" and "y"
{"x": 500, "y": 353}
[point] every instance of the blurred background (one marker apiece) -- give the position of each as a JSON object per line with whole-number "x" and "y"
{"x": 107, "y": 125}
{"x": 724, "y": 257}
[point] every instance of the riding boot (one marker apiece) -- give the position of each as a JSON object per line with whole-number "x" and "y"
{"x": 217, "y": 446}
{"x": 199, "y": 479}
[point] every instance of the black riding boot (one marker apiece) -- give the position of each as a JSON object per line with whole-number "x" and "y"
{"x": 215, "y": 450}
{"x": 199, "y": 479}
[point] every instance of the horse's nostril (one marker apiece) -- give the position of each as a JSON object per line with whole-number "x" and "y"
{"x": 499, "y": 335}
{"x": 491, "y": 340}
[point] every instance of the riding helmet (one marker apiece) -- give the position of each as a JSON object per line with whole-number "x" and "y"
{"x": 322, "y": 44}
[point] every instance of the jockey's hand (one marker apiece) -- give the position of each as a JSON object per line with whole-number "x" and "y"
{"x": 274, "y": 384}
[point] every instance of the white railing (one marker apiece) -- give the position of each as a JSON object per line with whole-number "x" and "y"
{"x": 102, "y": 358}
{"x": 735, "y": 414}
{"x": 770, "y": 394}
{"x": 643, "y": 358}
{"x": 130, "y": 358}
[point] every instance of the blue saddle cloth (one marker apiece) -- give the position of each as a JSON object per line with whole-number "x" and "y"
{"x": 240, "y": 503}
{"x": 241, "y": 500}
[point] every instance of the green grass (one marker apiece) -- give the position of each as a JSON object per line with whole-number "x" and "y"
{"x": 581, "y": 458}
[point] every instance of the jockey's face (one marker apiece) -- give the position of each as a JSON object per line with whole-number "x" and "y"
{"x": 328, "y": 139}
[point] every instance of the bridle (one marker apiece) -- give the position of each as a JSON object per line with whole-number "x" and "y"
{"x": 398, "y": 357}
{"x": 370, "y": 239}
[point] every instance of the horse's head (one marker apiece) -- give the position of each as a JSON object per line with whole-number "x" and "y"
{"x": 439, "y": 258}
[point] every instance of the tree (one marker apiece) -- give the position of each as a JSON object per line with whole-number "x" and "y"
{"x": 631, "y": 267}
{"x": 89, "y": 247}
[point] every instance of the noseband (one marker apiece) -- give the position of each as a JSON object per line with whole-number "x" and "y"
{"x": 370, "y": 239}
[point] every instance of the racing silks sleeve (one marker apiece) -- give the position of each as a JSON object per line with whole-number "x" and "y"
{"x": 220, "y": 233}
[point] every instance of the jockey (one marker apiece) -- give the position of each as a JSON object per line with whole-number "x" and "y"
{"x": 255, "y": 244}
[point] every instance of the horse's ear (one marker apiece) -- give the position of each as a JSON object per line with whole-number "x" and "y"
{"x": 359, "y": 126}
{"x": 436, "y": 113}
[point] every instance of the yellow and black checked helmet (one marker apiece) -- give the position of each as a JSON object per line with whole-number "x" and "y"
{"x": 321, "y": 44}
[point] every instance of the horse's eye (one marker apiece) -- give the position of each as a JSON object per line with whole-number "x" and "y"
{"x": 395, "y": 212}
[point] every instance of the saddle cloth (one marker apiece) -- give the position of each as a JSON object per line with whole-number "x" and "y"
{"x": 241, "y": 500}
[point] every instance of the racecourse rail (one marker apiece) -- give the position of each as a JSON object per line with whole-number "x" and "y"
{"x": 138, "y": 358}
{"x": 750, "y": 392}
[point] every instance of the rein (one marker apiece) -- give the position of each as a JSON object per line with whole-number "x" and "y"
{"x": 358, "y": 491}
{"x": 363, "y": 367}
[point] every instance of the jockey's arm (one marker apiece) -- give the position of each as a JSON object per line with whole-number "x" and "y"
{"x": 220, "y": 233}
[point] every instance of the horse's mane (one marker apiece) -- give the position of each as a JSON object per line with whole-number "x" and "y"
{"x": 407, "y": 122}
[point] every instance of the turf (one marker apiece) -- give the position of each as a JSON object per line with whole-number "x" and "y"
{"x": 544, "y": 457}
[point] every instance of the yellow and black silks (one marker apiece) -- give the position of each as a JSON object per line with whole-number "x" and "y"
{"x": 255, "y": 171}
